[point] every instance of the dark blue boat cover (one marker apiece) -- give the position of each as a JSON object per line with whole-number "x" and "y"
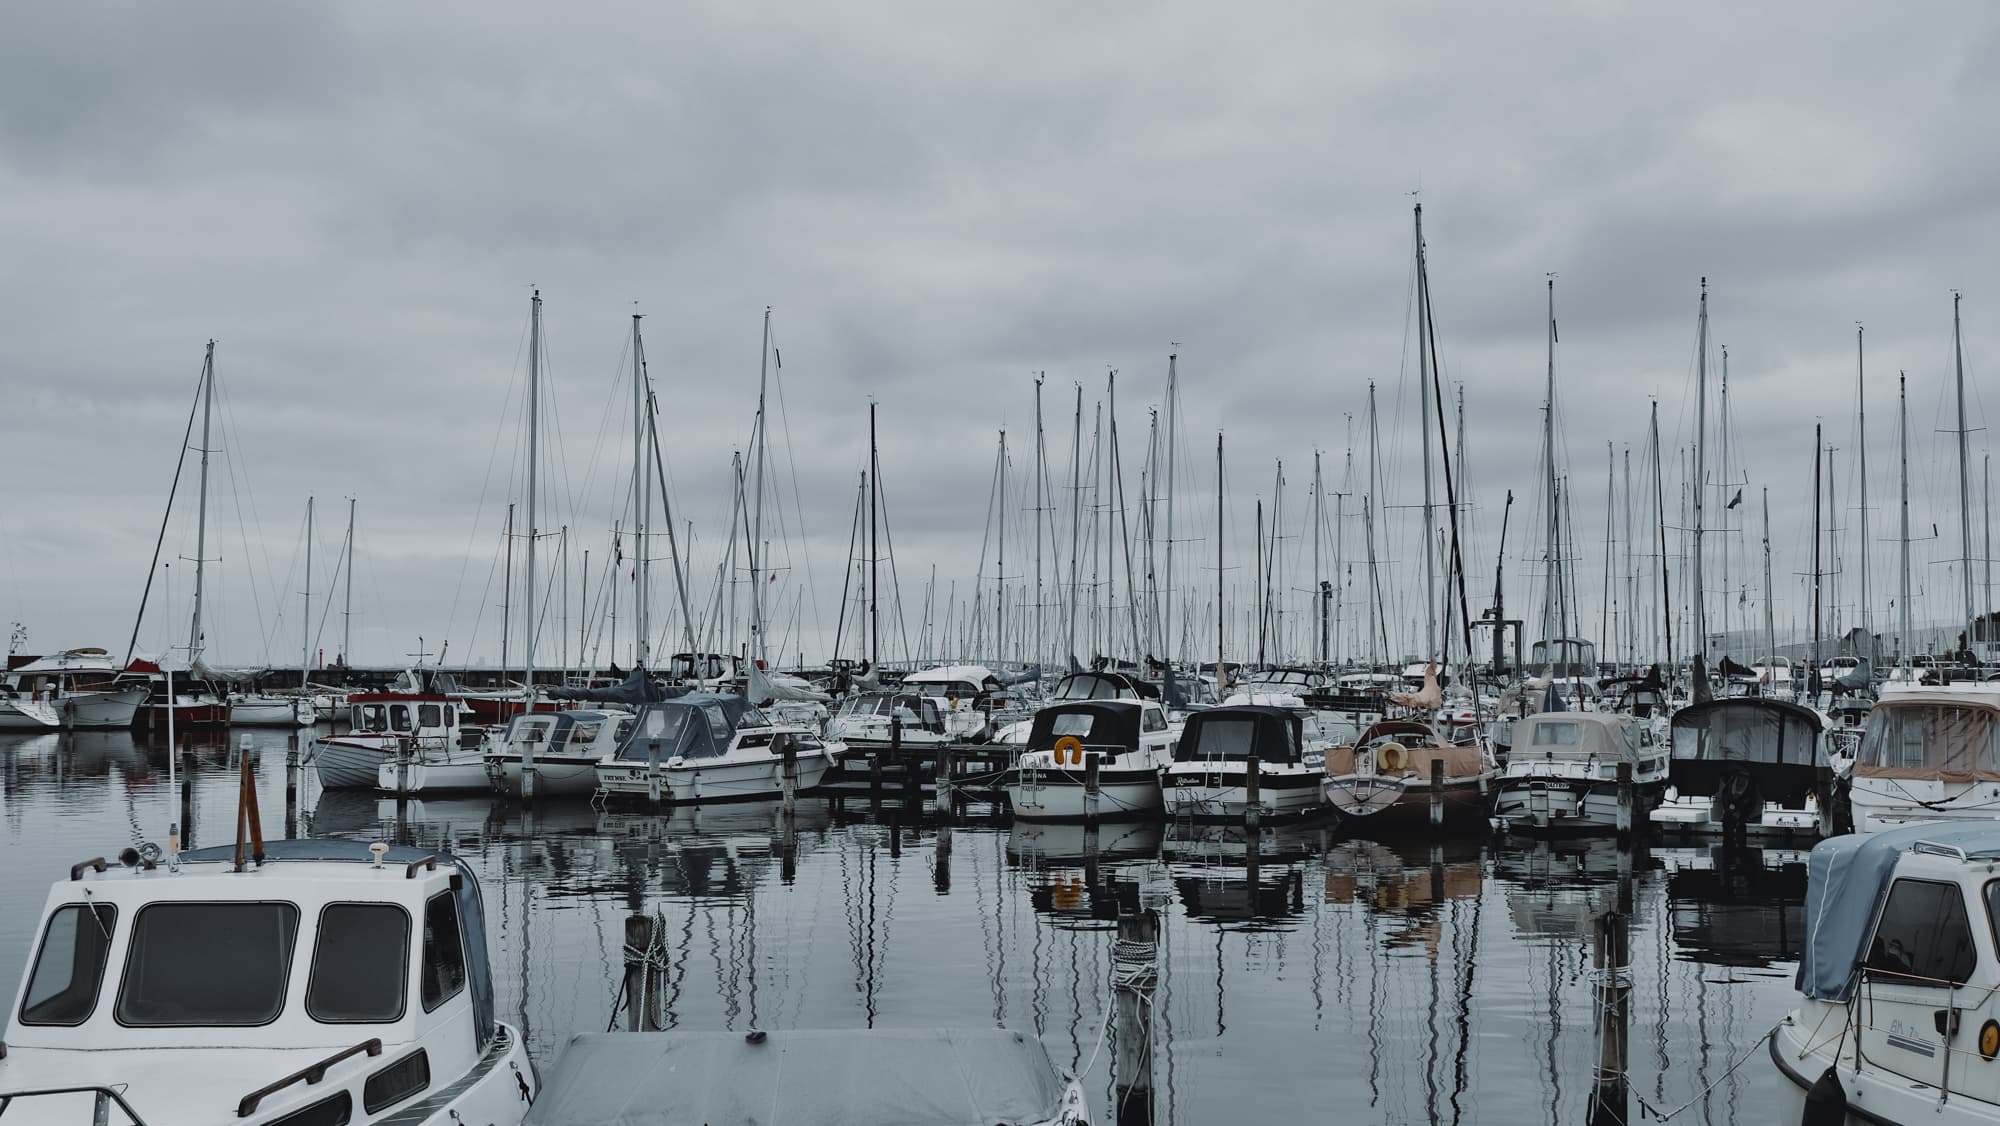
{"x": 1846, "y": 880}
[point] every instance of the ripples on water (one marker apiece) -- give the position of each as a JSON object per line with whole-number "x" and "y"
{"x": 1314, "y": 974}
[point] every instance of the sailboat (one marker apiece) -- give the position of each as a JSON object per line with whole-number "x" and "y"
{"x": 275, "y": 709}
{"x": 191, "y": 697}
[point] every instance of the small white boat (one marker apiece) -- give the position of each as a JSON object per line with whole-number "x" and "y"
{"x": 1218, "y": 752}
{"x": 1093, "y": 760}
{"x": 876, "y": 720}
{"x": 1562, "y": 774}
{"x": 325, "y": 981}
{"x": 78, "y": 689}
{"x": 567, "y": 746}
{"x": 1899, "y": 1018}
{"x": 709, "y": 747}
{"x": 269, "y": 710}
{"x": 1928, "y": 754}
{"x": 405, "y": 722}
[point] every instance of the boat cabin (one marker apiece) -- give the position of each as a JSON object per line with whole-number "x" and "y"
{"x": 334, "y": 982}
{"x": 568, "y": 734}
{"x": 955, "y": 682}
{"x": 1239, "y": 732}
{"x": 1104, "y": 686}
{"x": 1105, "y": 727}
{"x": 425, "y": 718}
{"x": 918, "y": 713}
{"x": 1564, "y": 658}
{"x": 1752, "y": 747}
{"x": 1587, "y": 739}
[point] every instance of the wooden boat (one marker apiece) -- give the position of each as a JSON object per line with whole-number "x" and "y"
{"x": 1386, "y": 778}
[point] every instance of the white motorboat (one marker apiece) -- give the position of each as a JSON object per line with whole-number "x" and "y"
{"x": 566, "y": 748}
{"x": 322, "y": 981}
{"x": 410, "y": 721}
{"x": 1222, "y": 749}
{"x": 1928, "y": 754}
{"x": 1749, "y": 765}
{"x": 77, "y": 689}
{"x": 1092, "y": 760}
{"x": 257, "y": 709}
{"x": 876, "y": 720}
{"x": 1562, "y": 774}
{"x": 964, "y": 690}
{"x": 710, "y": 747}
{"x": 1899, "y": 1016}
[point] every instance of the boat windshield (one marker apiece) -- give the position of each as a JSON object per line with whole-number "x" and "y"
{"x": 1946, "y": 742}
{"x": 209, "y": 964}
{"x": 665, "y": 725}
{"x": 70, "y": 968}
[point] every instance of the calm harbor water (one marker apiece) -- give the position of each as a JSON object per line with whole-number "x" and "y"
{"x": 1313, "y": 974}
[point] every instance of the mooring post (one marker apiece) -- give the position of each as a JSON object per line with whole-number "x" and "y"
{"x": 1608, "y": 1096}
{"x": 896, "y": 834}
{"x": 1625, "y": 800}
{"x": 941, "y": 864}
{"x": 946, "y": 783}
{"x": 1437, "y": 791}
{"x": 653, "y": 773}
{"x": 528, "y": 762}
{"x": 789, "y": 780}
{"x": 1134, "y": 975}
{"x": 642, "y": 993}
{"x": 1253, "y": 786}
{"x": 187, "y": 797}
{"x": 1090, "y": 795}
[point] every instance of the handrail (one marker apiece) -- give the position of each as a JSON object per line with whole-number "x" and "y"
{"x": 429, "y": 862}
{"x": 311, "y": 1074}
{"x": 1932, "y": 848}
{"x": 7, "y": 1098}
{"x": 76, "y": 870}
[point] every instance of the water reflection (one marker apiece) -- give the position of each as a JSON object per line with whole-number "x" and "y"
{"x": 1287, "y": 972}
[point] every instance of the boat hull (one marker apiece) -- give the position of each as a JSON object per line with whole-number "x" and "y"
{"x": 281, "y": 712}
{"x": 349, "y": 763}
{"x": 419, "y": 777}
{"x": 1554, "y": 807}
{"x": 721, "y": 781}
{"x": 186, "y": 716}
{"x": 557, "y": 776}
{"x": 104, "y": 711}
{"x": 1044, "y": 793}
{"x": 1381, "y": 802}
{"x": 29, "y": 715}
{"x": 1222, "y": 793}
{"x": 1696, "y": 818}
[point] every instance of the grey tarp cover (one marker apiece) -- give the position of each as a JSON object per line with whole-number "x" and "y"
{"x": 1846, "y": 878}
{"x": 883, "y": 1077}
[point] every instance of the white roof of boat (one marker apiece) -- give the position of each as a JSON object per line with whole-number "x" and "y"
{"x": 1978, "y": 694}
{"x": 946, "y": 674}
{"x": 883, "y": 1077}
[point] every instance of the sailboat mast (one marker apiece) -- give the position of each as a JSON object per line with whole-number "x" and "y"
{"x": 1076, "y": 524}
{"x": 1221, "y": 681}
{"x": 201, "y": 509}
{"x": 1666, "y": 618}
{"x": 757, "y": 506}
{"x": 1000, "y": 558}
{"x": 1903, "y": 487}
{"x": 347, "y": 614}
{"x": 1318, "y": 523}
{"x": 305, "y": 627}
{"x": 1861, "y": 440}
{"x": 874, "y": 549}
{"x": 641, "y": 503}
{"x": 1375, "y": 626}
{"x": 1964, "y": 472}
{"x": 1770, "y": 612}
{"x": 1037, "y": 471}
{"x": 534, "y": 431}
{"x": 1551, "y": 547}
{"x": 1167, "y": 607}
{"x": 1812, "y": 672}
{"x": 1424, "y": 376}
{"x": 1700, "y": 475}
{"x": 1722, "y": 482}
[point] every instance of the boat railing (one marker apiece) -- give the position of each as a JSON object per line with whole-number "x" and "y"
{"x": 105, "y": 1099}
{"x": 310, "y": 1074}
{"x": 1945, "y": 1020}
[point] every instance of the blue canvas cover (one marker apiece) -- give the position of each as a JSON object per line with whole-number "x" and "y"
{"x": 822, "y": 1077}
{"x": 1846, "y": 879}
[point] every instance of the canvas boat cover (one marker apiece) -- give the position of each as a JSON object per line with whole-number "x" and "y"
{"x": 1846, "y": 879}
{"x": 1577, "y": 736}
{"x": 882, "y": 1077}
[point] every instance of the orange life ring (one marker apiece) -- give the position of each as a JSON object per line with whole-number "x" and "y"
{"x": 1069, "y": 748}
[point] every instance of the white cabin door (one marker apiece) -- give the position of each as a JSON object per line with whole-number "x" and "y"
{"x": 1912, "y": 996}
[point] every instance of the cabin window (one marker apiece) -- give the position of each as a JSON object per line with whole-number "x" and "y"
{"x": 371, "y": 718}
{"x": 718, "y": 724}
{"x": 1930, "y": 737}
{"x": 444, "y": 951}
{"x": 335, "y": 1111}
{"x": 360, "y": 963}
{"x": 430, "y": 715}
{"x": 399, "y": 717}
{"x": 1923, "y": 934}
{"x": 1227, "y": 738}
{"x": 1152, "y": 719}
{"x": 623, "y": 729}
{"x": 211, "y": 964}
{"x": 396, "y": 1082}
{"x": 584, "y": 734}
{"x": 1072, "y": 723}
{"x": 70, "y": 968}
{"x": 1557, "y": 735}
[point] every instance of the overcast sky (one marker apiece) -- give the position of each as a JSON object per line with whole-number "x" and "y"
{"x": 354, "y": 201}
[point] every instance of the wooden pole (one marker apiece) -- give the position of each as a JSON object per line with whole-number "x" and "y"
{"x": 642, "y": 994}
{"x": 1608, "y": 1095}
{"x": 1437, "y": 791}
{"x": 1135, "y": 973}
{"x": 1253, "y": 778}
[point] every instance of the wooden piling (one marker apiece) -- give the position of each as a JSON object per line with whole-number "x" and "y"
{"x": 1135, "y": 976}
{"x": 1608, "y": 1094}
{"x": 653, "y": 773}
{"x": 642, "y": 992}
{"x": 1090, "y": 794}
{"x": 788, "y": 783}
{"x": 946, "y": 781}
{"x": 1253, "y": 783}
{"x": 1626, "y": 797}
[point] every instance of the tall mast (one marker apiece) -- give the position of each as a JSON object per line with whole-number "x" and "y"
{"x": 1812, "y": 672}
{"x": 1221, "y": 681}
{"x": 1000, "y": 559}
{"x": 1861, "y": 440}
{"x": 1631, "y": 574}
{"x": 1037, "y": 471}
{"x": 1551, "y": 547}
{"x": 1375, "y": 630}
{"x": 1319, "y": 522}
{"x": 534, "y": 431}
{"x": 1261, "y": 591}
{"x": 1700, "y": 475}
{"x": 1424, "y": 375}
{"x": 1076, "y": 524}
{"x": 757, "y": 506}
{"x": 201, "y": 519}
{"x": 305, "y": 628}
{"x": 874, "y": 549}
{"x": 641, "y": 501}
{"x": 1903, "y": 487}
{"x": 1770, "y": 612}
{"x": 1964, "y": 473}
{"x": 1167, "y": 607}
{"x": 347, "y": 615}
{"x": 507, "y": 597}
{"x": 1666, "y": 618}
{"x": 1722, "y": 423}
